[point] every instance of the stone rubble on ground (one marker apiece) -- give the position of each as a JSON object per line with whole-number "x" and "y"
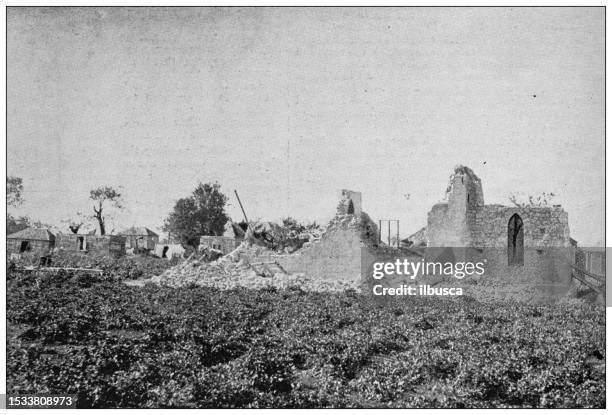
{"x": 243, "y": 267}
{"x": 236, "y": 270}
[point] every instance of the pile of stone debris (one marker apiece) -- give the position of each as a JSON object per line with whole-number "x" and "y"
{"x": 256, "y": 263}
{"x": 286, "y": 238}
{"x": 241, "y": 268}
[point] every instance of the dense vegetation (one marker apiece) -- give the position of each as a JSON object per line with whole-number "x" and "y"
{"x": 119, "y": 346}
{"x": 117, "y": 269}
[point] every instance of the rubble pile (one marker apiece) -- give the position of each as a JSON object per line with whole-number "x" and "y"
{"x": 271, "y": 256}
{"x": 286, "y": 239}
{"x": 238, "y": 269}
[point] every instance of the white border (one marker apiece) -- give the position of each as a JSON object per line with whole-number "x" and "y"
{"x": 291, "y": 3}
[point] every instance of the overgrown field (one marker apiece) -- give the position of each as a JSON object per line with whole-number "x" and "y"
{"x": 123, "y": 268}
{"x": 119, "y": 346}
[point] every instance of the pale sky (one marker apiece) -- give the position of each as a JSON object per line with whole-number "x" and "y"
{"x": 290, "y": 105}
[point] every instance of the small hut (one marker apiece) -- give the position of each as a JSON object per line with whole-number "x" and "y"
{"x": 140, "y": 238}
{"x": 40, "y": 240}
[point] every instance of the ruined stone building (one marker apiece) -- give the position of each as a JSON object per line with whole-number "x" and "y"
{"x": 338, "y": 254}
{"x": 465, "y": 221}
{"x": 529, "y": 242}
{"x": 113, "y": 245}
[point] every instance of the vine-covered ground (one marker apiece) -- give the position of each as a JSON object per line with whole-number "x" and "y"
{"x": 200, "y": 347}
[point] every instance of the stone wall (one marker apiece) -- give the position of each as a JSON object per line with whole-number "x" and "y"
{"x": 337, "y": 255}
{"x": 546, "y": 270}
{"x": 542, "y": 227}
{"x": 449, "y": 224}
{"x": 141, "y": 242}
{"x": 350, "y": 203}
{"x": 99, "y": 244}
{"x": 465, "y": 221}
{"x": 439, "y": 229}
{"x": 224, "y": 244}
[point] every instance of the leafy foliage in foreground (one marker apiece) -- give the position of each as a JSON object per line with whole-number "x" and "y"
{"x": 119, "y": 346}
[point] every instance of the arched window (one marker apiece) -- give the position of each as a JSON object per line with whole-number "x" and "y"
{"x": 515, "y": 240}
{"x": 351, "y": 209}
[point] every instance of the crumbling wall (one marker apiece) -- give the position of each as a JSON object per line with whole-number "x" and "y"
{"x": 542, "y": 226}
{"x": 449, "y": 224}
{"x": 350, "y": 203}
{"x": 464, "y": 185}
{"x": 545, "y": 270}
{"x": 465, "y": 221}
{"x": 444, "y": 229}
{"x": 337, "y": 254}
{"x": 419, "y": 238}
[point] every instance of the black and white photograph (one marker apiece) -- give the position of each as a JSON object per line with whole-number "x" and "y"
{"x": 295, "y": 207}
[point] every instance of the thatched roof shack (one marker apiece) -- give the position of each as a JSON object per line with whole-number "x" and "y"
{"x": 101, "y": 244}
{"x": 140, "y": 238}
{"x": 30, "y": 239}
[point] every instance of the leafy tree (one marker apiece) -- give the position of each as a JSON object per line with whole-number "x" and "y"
{"x": 202, "y": 213}
{"x": 14, "y": 198}
{"x": 14, "y": 191}
{"x": 16, "y": 224}
{"x": 102, "y": 195}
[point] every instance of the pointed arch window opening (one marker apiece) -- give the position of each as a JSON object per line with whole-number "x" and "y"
{"x": 351, "y": 208}
{"x": 515, "y": 240}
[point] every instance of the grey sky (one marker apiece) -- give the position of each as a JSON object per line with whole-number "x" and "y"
{"x": 290, "y": 105}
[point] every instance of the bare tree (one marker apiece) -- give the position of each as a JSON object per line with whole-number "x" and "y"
{"x": 76, "y": 222}
{"x": 541, "y": 200}
{"x": 102, "y": 195}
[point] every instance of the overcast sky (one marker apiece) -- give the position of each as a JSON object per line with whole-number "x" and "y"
{"x": 290, "y": 105}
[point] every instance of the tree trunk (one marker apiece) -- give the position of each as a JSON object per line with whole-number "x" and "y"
{"x": 100, "y": 218}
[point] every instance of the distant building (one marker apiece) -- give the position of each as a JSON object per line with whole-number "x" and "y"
{"x": 100, "y": 244}
{"x": 140, "y": 238}
{"x": 595, "y": 260}
{"x": 226, "y": 243}
{"x": 168, "y": 251}
{"x": 40, "y": 240}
